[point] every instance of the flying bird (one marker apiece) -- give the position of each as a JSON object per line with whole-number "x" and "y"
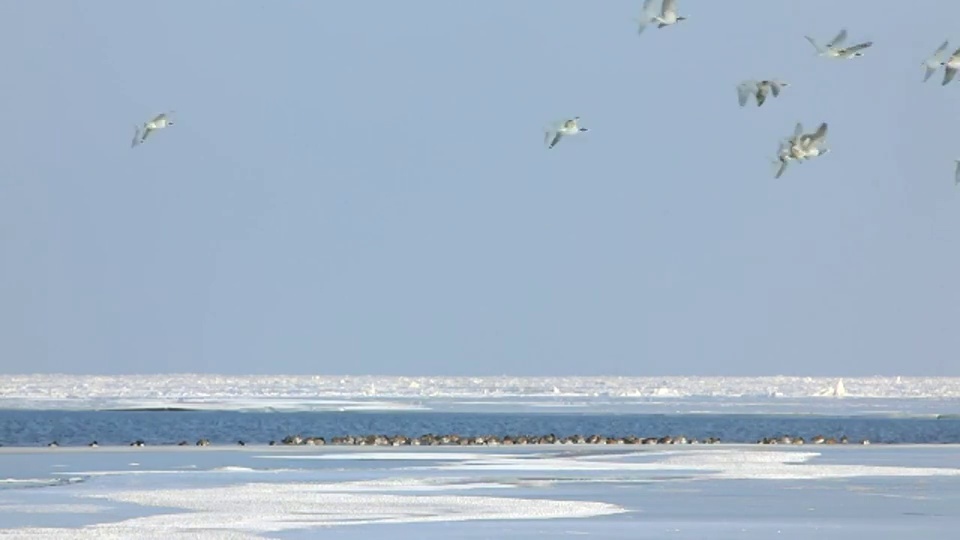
{"x": 833, "y": 49}
{"x": 813, "y": 146}
{"x": 799, "y": 147}
{"x": 566, "y": 127}
{"x": 159, "y": 121}
{"x": 809, "y": 145}
{"x": 759, "y": 90}
{"x": 668, "y": 14}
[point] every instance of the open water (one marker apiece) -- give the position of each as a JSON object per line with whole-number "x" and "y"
{"x": 74, "y": 428}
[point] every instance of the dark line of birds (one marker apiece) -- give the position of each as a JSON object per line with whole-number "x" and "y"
{"x": 452, "y": 439}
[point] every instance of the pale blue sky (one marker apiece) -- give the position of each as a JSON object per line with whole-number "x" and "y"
{"x": 362, "y": 187}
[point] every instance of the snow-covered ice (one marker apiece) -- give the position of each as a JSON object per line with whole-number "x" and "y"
{"x": 779, "y": 394}
{"x": 880, "y": 492}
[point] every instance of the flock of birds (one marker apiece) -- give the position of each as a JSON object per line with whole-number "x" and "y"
{"x": 798, "y": 147}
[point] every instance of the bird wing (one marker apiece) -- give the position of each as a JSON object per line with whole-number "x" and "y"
{"x": 761, "y": 95}
{"x": 858, "y": 47}
{"x": 948, "y": 74}
{"x": 146, "y": 133}
{"x": 813, "y": 42}
{"x": 669, "y": 6}
{"x": 782, "y": 168}
{"x": 931, "y": 64}
{"x": 936, "y": 54}
{"x": 818, "y": 136}
{"x": 797, "y": 131}
{"x": 646, "y": 16}
{"x": 556, "y": 138}
{"x": 548, "y": 135}
{"x": 136, "y": 136}
{"x": 744, "y": 90}
{"x": 776, "y": 86}
{"x": 841, "y": 37}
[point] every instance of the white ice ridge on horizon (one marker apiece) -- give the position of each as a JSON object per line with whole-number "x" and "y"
{"x": 336, "y": 392}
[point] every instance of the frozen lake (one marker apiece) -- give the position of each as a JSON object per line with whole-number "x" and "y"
{"x": 726, "y": 491}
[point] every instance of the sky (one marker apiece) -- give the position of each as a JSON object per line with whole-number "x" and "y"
{"x": 362, "y": 187}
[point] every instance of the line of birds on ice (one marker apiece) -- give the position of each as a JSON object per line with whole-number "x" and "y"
{"x": 798, "y": 147}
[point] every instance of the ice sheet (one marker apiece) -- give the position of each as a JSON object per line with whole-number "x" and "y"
{"x": 708, "y": 492}
{"x": 52, "y": 508}
{"x": 744, "y": 462}
{"x": 392, "y": 456}
{"x": 255, "y": 508}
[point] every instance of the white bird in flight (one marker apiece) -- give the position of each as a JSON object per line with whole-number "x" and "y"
{"x": 759, "y": 90}
{"x": 833, "y": 49}
{"x": 666, "y": 17}
{"x": 809, "y": 145}
{"x": 159, "y": 121}
{"x": 800, "y": 147}
{"x": 668, "y": 14}
{"x": 566, "y": 127}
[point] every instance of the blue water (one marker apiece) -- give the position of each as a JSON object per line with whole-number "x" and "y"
{"x": 75, "y": 428}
